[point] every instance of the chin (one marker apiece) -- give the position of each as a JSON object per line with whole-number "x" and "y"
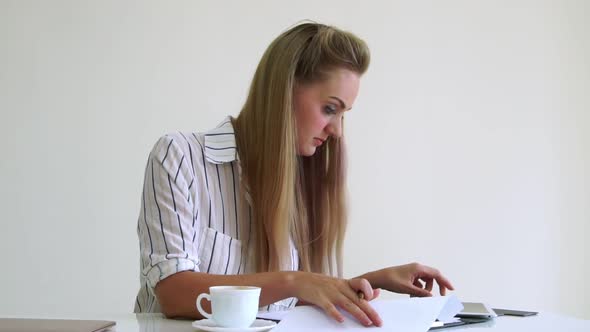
{"x": 307, "y": 152}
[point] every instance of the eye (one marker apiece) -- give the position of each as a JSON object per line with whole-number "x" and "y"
{"x": 330, "y": 109}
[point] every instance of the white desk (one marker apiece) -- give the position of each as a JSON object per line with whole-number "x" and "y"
{"x": 545, "y": 322}
{"x": 542, "y": 322}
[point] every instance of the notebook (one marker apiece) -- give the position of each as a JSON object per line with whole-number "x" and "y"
{"x": 54, "y": 325}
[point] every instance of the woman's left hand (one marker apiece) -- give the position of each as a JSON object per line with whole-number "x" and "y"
{"x": 413, "y": 279}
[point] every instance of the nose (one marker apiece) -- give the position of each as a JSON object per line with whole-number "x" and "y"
{"x": 334, "y": 128}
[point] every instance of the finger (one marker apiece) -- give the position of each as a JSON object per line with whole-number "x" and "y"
{"x": 365, "y": 310}
{"x": 355, "y": 311}
{"x": 434, "y": 273}
{"x": 371, "y": 313}
{"x": 362, "y": 304}
{"x": 362, "y": 285}
{"x": 331, "y": 310}
{"x": 412, "y": 290}
{"x": 429, "y": 283}
{"x": 417, "y": 290}
{"x": 376, "y": 293}
{"x": 443, "y": 284}
{"x": 442, "y": 281}
{"x": 418, "y": 283}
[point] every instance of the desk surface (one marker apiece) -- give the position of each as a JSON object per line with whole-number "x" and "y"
{"x": 541, "y": 322}
{"x": 548, "y": 322}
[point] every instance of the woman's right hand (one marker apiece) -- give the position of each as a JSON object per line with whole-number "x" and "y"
{"x": 331, "y": 293}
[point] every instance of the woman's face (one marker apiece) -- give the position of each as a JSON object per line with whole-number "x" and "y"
{"x": 319, "y": 108}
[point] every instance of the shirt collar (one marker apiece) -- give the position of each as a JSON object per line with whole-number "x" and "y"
{"x": 220, "y": 143}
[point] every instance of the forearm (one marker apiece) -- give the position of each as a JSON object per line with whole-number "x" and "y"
{"x": 177, "y": 293}
{"x": 374, "y": 279}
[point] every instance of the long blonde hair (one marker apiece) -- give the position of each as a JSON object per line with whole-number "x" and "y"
{"x": 302, "y": 197}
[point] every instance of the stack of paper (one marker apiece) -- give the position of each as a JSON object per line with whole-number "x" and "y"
{"x": 408, "y": 315}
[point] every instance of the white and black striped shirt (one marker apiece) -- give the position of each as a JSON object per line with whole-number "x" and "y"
{"x": 193, "y": 216}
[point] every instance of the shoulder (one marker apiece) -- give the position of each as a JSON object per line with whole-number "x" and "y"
{"x": 178, "y": 153}
{"x": 216, "y": 146}
{"x": 176, "y": 145}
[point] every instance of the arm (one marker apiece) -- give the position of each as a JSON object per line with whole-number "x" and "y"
{"x": 177, "y": 293}
{"x": 413, "y": 279}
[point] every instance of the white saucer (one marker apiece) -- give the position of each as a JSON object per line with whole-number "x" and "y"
{"x": 259, "y": 325}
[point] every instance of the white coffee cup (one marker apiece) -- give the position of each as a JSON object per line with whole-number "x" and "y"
{"x": 231, "y": 306}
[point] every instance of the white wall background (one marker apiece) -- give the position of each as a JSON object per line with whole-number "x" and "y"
{"x": 469, "y": 142}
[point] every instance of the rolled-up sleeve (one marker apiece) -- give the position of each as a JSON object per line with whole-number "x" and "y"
{"x": 166, "y": 225}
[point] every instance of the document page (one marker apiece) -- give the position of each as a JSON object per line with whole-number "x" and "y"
{"x": 408, "y": 315}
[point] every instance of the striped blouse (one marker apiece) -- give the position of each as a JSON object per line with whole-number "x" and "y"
{"x": 193, "y": 215}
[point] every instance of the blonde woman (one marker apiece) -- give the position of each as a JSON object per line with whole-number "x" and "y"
{"x": 260, "y": 199}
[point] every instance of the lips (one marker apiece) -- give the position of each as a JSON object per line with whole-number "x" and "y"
{"x": 318, "y": 141}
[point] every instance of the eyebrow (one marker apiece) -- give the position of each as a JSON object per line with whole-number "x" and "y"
{"x": 342, "y": 104}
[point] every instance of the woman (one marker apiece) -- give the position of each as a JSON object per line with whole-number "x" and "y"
{"x": 260, "y": 200}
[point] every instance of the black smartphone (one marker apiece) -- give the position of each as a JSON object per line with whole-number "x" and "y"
{"x": 508, "y": 312}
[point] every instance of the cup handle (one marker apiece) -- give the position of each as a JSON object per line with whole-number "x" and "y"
{"x": 201, "y": 310}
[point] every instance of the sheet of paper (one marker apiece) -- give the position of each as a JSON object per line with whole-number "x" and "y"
{"x": 408, "y": 315}
{"x": 450, "y": 309}
{"x": 274, "y": 315}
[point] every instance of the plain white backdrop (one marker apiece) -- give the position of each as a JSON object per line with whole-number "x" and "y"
{"x": 469, "y": 141}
